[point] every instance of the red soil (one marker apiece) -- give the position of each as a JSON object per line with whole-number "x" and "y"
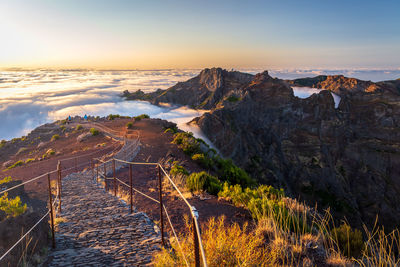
{"x": 155, "y": 146}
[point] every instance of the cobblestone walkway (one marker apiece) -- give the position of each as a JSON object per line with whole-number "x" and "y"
{"x": 99, "y": 229}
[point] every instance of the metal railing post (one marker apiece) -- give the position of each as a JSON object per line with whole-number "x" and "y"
{"x": 161, "y": 205}
{"x": 105, "y": 175}
{"x": 59, "y": 185}
{"x": 51, "y": 213}
{"x": 196, "y": 245}
{"x": 115, "y": 180}
{"x": 131, "y": 185}
{"x": 92, "y": 165}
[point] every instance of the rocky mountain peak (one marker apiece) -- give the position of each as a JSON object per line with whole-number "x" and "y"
{"x": 212, "y": 78}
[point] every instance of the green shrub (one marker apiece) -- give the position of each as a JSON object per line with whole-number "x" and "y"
{"x": 187, "y": 143}
{"x": 78, "y": 127}
{"x": 5, "y": 180}
{"x": 142, "y": 116}
{"x": 233, "y": 99}
{"x": 16, "y": 164}
{"x": 12, "y": 207}
{"x": 94, "y": 131}
{"x": 48, "y": 153}
{"x": 63, "y": 128}
{"x": 113, "y": 116}
{"x": 178, "y": 169}
{"x": 129, "y": 125}
{"x": 202, "y": 181}
{"x": 263, "y": 202}
{"x": 350, "y": 241}
{"x": 172, "y": 130}
{"x": 228, "y": 171}
{"x": 203, "y": 160}
{"x": 2, "y": 143}
{"x": 55, "y": 137}
{"x": 29, "y": 160}
{"x": 63, "y": 122}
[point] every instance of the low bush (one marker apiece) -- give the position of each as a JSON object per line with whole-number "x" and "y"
{"x": 2, "y": 143}
{"x": 55, "y": 137}
{"x": 233, "y": 99}
{"x": 187, "y": 143}
{"x": 5, "y": 180}
{"x": 178, "y": 169}
{"x": 29, "y": 160}
{"x": 223, "y": 245}
{"x": 229, "y": 172}
{"x": 203, "y": 160}
{"x": 63, "y": 128}
{"x": 172, "y": 130}
{"x": 94, "y": 131}
{"x": 350, "y": 241}
{"x": 78, "y": 127}
{"x": 113, "y": 116}
{"x": 202, "y": 181}
{"x": 12, "y": 207}
{"x": 16, "y": 164}
{"x": 266, "y": 202}
{"x": 49, "y": 153}
{"x": 142, "y": 116}
{"x": 129, "y": 125}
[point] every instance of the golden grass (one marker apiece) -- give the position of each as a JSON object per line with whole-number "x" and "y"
{"x": 270, "y": 244}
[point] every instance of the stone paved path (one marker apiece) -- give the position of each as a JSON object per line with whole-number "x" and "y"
{"x": 99, "y": 229}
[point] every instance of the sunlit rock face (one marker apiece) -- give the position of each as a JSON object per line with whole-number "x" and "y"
{"x": 205, "y": 90}
{"x": 347, "y": 157}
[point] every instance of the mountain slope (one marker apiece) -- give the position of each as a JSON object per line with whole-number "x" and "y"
{"x": 204, "y": 91}
{"x": 346, "y": 158}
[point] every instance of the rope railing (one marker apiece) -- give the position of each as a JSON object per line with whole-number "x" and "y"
{"x": 166, "y": 212}
{"x": 193, "y": 211}
{"x": 123, "y": 156}
{"x": 52, "y": 211}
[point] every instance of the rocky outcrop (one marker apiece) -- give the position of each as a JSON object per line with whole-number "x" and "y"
{"x": 346, "y": 158}
{"x": 204, "y": 91}
{"x": 342, "y": 85}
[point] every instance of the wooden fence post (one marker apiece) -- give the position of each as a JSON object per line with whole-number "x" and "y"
{"x": 131, "y": 184}
{"x": 53, "y": 240}
{"x": 161, "y": 205}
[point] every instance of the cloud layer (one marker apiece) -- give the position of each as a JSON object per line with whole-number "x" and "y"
{"x": 31, "y": 98}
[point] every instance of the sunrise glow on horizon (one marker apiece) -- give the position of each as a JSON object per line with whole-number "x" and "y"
{"x": 188, "y": 34}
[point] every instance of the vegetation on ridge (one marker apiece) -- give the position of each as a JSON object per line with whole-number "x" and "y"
{"x": 287, "y": 233}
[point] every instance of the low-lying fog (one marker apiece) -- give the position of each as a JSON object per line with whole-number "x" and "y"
{"x": 31, "y": 98}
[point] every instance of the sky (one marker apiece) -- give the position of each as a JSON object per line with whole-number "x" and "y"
{"x": 129, "y": 34}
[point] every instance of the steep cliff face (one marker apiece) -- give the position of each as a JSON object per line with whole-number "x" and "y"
{"x": 205, "y": 90}
{"x": 346, "y": 158}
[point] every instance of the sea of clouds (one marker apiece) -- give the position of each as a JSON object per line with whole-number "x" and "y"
{"x": 29, "y": 98}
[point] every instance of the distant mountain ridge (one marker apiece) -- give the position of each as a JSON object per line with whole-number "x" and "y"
{"x": 202, "y": 92}
{"x": 341, "y": 85}
{"x": 212, "y": 86}
{"x": 347, "y": 158}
